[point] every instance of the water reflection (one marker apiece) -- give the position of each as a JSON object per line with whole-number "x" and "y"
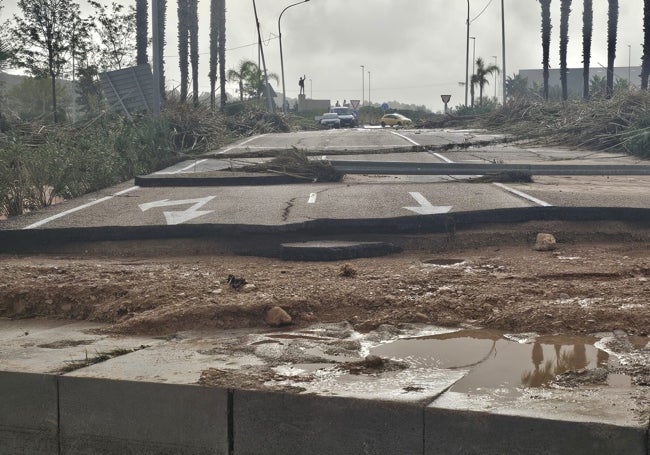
{"x": 494, "y": 362}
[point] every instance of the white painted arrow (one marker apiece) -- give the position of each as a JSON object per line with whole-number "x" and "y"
{"x": 180, "y": 216}
{"x": 425, "y": 207}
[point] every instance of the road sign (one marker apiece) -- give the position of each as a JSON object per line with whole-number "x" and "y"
{"x": 445, "y": 98}
{"x": 354, "y": 103}
{"x": 385, "y": 107}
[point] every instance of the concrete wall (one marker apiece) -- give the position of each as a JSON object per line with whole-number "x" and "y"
{"x": 44, "y": 414}
{"x": 305, "y": 104}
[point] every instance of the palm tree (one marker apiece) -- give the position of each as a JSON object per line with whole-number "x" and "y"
{"x": 241, "y": 74}
{"x": 587, "y": 32}
{"x": 194, "y": 48}
{"x": 162, "y": 18}
{"x": 517, "y": 86}
{"x": 546, "y": 41}
{"x": 141, "y": 25}
{"x": 183, "y": 45}
{"x": 565, "y": 10}
{"x": 214, "y": 50}
{"x": 645, "y": 61}
{"x": 612, "y": 26}
{"x": 222, "y": 50}
{"x": 482, "y": 73}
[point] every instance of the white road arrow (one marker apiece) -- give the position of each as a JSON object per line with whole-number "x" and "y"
{"x": 180, "y": 216}
{"x": 425, "y": 207}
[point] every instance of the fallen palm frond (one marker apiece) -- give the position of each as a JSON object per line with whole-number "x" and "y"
{"x": 621, "y": 123}
{"x": 297, "y": 164}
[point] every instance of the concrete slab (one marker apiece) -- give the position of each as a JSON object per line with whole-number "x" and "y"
{"x": 28, "y": 414}
{"x": 312, "y": 425}
{"x": 539, "y": 421}
{"x": 179, "y": 360}
{"x": 121, "y": 417}
{"x": 38, "y": 346}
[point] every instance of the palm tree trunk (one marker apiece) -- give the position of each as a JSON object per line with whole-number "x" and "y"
{"x": 587, "y": 32}
{"x": 645, "y": 62}
{"x": 565, "y": 10}
{"x": 612, "y": 26}
{"x": 222, "y": 50}
{"x": 183, "y": 49}
{"x": 162, "y": 17}
{"x": 214, "y": 51}
{"x": 194, "y": 48}
{"x": 141, "y": 31}
{"x": 546, "y": 41}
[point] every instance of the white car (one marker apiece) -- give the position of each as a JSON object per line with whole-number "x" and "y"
{"x": 330, "y": 120}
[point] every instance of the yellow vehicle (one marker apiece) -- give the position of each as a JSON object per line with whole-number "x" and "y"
{"x": 395, "y": 119}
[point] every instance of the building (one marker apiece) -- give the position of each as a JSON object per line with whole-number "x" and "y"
{"x": 574, "y": 77}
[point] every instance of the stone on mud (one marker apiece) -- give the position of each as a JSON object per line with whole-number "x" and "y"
{"x": 545, "y": 242}
{"x": 277, "y": 317}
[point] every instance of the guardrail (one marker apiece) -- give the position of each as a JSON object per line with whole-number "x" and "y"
{"x": 405, "y": 168}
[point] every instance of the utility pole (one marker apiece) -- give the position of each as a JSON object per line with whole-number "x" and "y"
{"x": 363, "y": 80}
{"x": 495, "y": 79}
{"x": 267, "y": 91}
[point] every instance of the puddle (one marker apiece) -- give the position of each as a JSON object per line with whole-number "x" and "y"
{"x": 493, "y": 362}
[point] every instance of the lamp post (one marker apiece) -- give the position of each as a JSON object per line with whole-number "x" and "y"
{"x": 503, "y": 51}
{"x": 311, "y": 90}
{"x": 629, "y": 66}
{"x": 473, "y": 38}
{"x": 495, "y": 79}
{"x": 369, "y": 102}
{"x": 363, "y": 80}
{"x": 284, "y": 91}
{"x": 467, "y": 56}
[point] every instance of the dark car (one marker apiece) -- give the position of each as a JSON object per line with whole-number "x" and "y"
{"x": 346, "y": 115}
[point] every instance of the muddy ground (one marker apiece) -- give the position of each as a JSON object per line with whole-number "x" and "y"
{"x": 580, "y": 287}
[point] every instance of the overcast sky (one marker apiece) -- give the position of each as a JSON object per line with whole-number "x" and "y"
{"x": 413, "y": 49}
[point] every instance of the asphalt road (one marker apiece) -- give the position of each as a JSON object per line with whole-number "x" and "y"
{"x": 358, "y": 196}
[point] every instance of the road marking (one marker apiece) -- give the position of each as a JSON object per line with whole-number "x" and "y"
{"x": 239, "y": 145}
{"x": 81, "y": 207}
{"x": 523, "y": 195}
{"x": 404, "y": 137}
{"x": 425, "y": 207}
{"x": 442, "y": 157}
{"x": 186, "y": 168}
{"x": 183, "y": 215}
{"x": 312, "y": 198}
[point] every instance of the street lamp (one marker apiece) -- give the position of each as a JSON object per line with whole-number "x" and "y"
{"x": 284, "y": 91}
{"x": 363, "y": 80}
{"x": 629, "y": 66}
{"x": 369, "y": 102}
{"x": 467, "y": 56}
{"x": 473, "y": 38}
{"x": 495, "y": 79}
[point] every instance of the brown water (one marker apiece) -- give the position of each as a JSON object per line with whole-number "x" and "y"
{"x": 495, "y": 362}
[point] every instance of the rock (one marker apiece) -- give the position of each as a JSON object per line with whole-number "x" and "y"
{"x": 277, "y": 317}
{"x": 545, "y": 242}
{"x": 373, "y": 361}
{"x": 421, "y": 317}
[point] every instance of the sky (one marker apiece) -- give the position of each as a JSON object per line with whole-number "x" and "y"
{"x": 412, "y": 51}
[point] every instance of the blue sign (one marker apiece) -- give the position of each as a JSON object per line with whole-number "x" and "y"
{"x": 385, "y": 107}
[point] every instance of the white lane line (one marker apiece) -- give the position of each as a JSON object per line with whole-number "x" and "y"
{"x": 81, "y": 207}
{"x": 312, "y": 198}
{"x": 404, "y": 137}
{"x": 523, "y": 195}
{"x": 443, "y": 158}
{"x": 186, "y": 168}
{"x": 243, "y": 143}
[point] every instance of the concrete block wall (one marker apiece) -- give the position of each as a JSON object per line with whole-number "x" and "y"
{"x": 61, "y": 415}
